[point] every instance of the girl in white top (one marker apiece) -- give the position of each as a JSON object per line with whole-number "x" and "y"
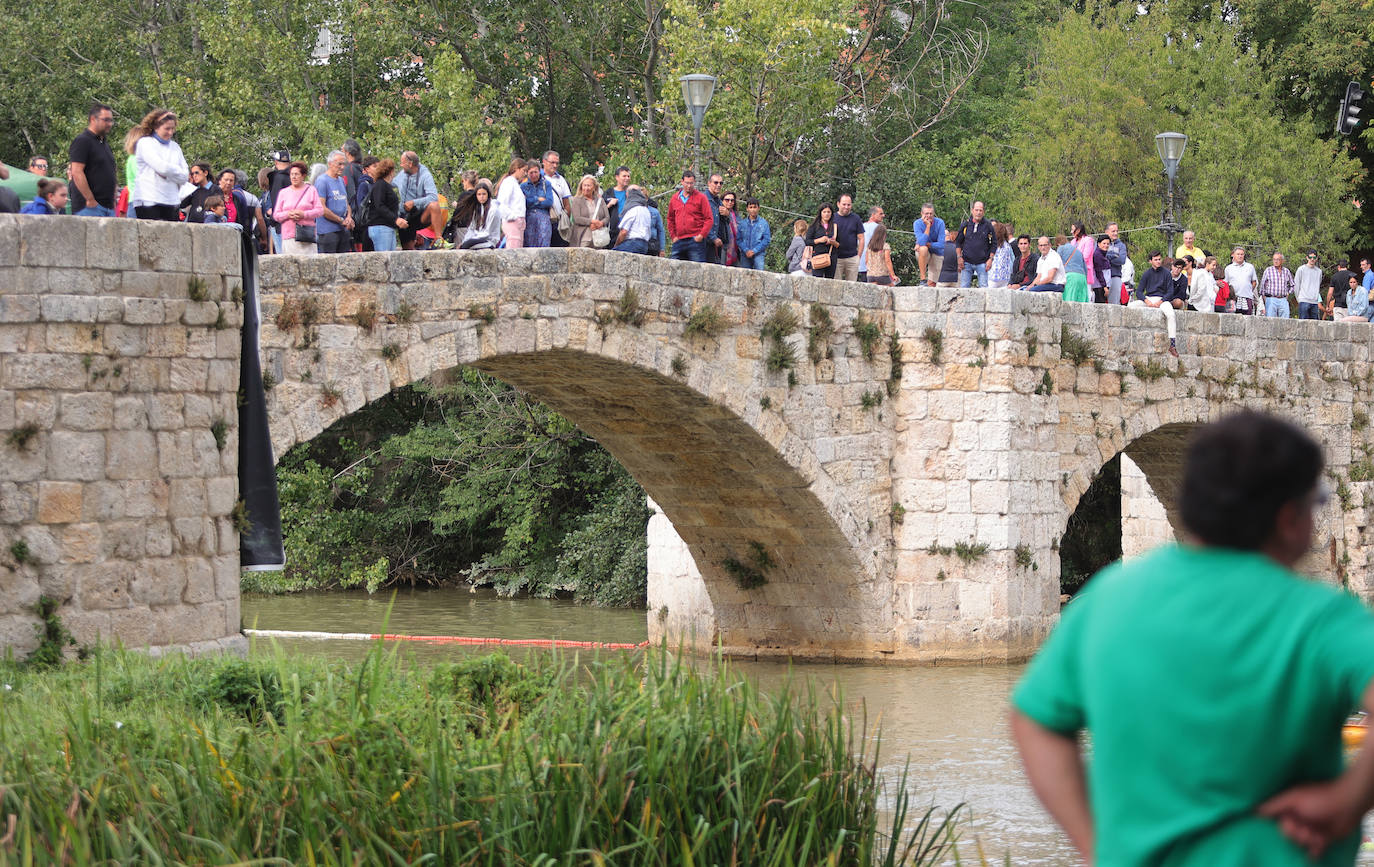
{"x": 1202, "y": 286}
{"x": 161, "y": 167}
{"x": 511, "y": 200}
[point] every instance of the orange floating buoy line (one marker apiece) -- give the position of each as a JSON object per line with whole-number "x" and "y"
{"x": 445, "y": 639}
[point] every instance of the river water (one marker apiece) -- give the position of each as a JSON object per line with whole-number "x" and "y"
{"x": 948, "y": 723}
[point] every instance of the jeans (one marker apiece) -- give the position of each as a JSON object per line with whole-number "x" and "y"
{"x": 1047, "y": 287}
{"x": 95, "y": 211}
{"x": 334, "y": 242}
{"x": 633, "y": 245}
{"x": 276, "y": 240}
{"x": 753, "y": 263}
{"x": 1308, "y": 310}
{"x": 383, "y": 238}
{"x": 969, "y": 270}
{"x": 1114, "y": 294}
{"x": 689, "y": 250}
{"x": 1276, "y": 307}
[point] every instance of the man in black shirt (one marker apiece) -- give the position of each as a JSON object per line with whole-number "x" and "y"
{"x": 277, "y": 180}
{"x": 849, "y": 227}
{"x": 92, "y": 166}
{"x": 975, "y": 245}
{"x": 1335, "y": 293}
{"x": 720, "y": 231}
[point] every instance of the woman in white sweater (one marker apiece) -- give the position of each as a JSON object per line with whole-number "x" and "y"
{"x": 161, "y": 168}
{"x": 511, "y": 200}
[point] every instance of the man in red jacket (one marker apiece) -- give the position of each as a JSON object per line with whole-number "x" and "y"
{"x": 689, "y": 220}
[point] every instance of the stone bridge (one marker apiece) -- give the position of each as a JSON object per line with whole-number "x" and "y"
{"x": 842, "y": 470}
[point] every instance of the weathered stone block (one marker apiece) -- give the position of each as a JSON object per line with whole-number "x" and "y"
{"x": 131, "y": 455}
{"x": 164, "y": 247}
{"x": 53, "y": 242}
{"x": 59, "y": 502}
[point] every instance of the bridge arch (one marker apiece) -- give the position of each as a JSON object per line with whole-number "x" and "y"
{"x": 687, "y": 416}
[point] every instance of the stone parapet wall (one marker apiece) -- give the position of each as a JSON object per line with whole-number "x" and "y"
{"x": 115, "y": 495}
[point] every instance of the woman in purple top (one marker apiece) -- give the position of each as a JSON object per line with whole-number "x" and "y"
{"x": 1101, "y": 270}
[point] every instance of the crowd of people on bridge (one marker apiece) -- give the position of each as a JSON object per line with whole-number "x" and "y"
{"x": 351, "y": 202}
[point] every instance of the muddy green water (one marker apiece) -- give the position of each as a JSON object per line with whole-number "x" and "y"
{"x": 949, "y": 723}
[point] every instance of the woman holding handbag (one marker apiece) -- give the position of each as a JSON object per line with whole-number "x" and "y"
{"x": 589, "y": 216}
{"x": 297, "y": 207}
{"x": 821, "y": 240}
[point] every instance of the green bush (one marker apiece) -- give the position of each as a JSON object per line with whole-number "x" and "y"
{"x": 471, "y": 481}
{"x": 639, "y": 759}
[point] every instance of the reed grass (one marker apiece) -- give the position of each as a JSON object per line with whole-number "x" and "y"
{"x": 628, "y": 761}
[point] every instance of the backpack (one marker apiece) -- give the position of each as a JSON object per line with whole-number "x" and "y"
{"x": 655, "y": 248}
{"x": 364, "y": 211}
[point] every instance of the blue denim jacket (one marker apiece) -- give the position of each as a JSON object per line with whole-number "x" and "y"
{"x": 754, "y": 235}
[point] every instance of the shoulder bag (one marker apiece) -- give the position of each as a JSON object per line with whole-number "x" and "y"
{"x": 305, "y": 232}
{"x": 601, "y": 238}
{"x": 821, "y": 261}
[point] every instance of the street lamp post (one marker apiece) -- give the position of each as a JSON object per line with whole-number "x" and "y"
{"x": 1170, "y": 146}
{"x": 696, "y": 92}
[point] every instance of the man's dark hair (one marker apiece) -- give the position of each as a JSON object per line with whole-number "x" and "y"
{"x": 1343, "y": 263}
{"x": 97, "y": 108}
{"x": 1154, "y": 253}
{"x": 369, "y": 161}
{"x": 690, "y": 174}
{"x": 351, "y": 148}
{"x": 1026, "y": 237}
{"x": 750, "y": 202}
{"x": 619, "y": 169}
{"x": 1239, "y": 472}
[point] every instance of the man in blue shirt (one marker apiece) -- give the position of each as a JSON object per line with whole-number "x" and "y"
{"x": 334, "y": 230}
{"x": 419, "y": 199}
{"x": 930, "y": 244}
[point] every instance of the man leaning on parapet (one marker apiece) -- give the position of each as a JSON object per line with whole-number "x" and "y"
{"x": 1212, "y": 679}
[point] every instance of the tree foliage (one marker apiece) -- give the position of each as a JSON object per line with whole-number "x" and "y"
{"x": 1107, "y": 80}
{"x": 470, "y": 481}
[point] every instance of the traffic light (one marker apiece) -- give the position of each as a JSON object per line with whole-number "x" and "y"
{"x": 1349, "y": 116}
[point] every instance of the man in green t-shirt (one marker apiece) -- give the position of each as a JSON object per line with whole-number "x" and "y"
{"x": 1212, "y": 679}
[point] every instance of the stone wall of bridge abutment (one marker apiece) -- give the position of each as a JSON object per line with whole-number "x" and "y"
{"x": 115, "y": 496}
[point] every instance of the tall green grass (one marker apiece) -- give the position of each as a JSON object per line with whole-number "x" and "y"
{"x": 634, "y": 760}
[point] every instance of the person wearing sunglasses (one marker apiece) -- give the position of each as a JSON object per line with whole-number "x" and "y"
{"x": 1307, "y": 282}
{"x": 38, "y": 166}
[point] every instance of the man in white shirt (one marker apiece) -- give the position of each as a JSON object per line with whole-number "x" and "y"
{"x": 562, "y": 193}
{"x": 636, "y": 223}
{"x": 875, "y": 219}
{"x": 1049, "y": 271}
{"x": 1307, "y": 282}
{"x": 1241, "y": 277}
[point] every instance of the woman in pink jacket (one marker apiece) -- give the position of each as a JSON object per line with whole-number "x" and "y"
{"x": 297, "y": 207}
